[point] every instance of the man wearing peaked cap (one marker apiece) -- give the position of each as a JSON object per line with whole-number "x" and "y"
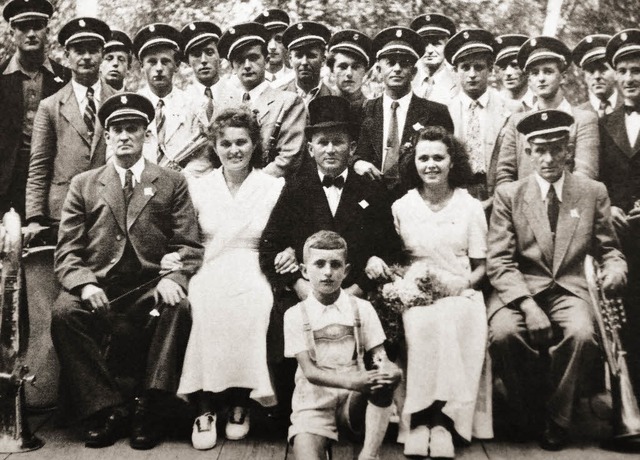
{"x": 515, "y": 87}
{"x": 158, "y": 47}
{"x": 26, "y": 77}
{"x": 390, "y": 120}
{"x": 281, "y": 114}
{"x": 542, "y": 228}
{"x": 590, "y": 56}
{"x": 545, "y": 61}
{"x": 67, "y": 137}
{"x": 478, "y": 111}
{"x": 112, "y": 241}
{"x": 330, "y": 196}
{"x": 306, "y": 42}
{"x": 276, "y": 21}
{"x": 349, "y": 60}
{"x": 620, "y": 169}
{"x": 116, "y": 63}
{"x": 434, "y": 80}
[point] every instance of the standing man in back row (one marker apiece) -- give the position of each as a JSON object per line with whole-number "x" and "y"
{"x": 277, "y": 73}
{"x": 27, "y": 77}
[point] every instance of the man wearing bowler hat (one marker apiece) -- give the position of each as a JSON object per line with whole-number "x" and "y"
{"x": 118, "y": 54}
{"x": 114, "y": 312}
{"x": 541, "y": 330}
{"x": 515, "y": 85}
{"x": 282, "y": 115}
{"x": 392, "y": 119}
{"x": 434, "y": 80}
{"x": 67, "y": 138}
{"x": 27, "y": 77}
{"x": 545, "y": 60}
{"x": 277, "y": 73}
{"x": 306, "y": 43}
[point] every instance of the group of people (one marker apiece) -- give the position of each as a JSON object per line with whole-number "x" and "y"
{"x": 219, "y": 243}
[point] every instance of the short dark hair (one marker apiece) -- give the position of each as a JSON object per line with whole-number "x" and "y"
{"x": 239, "y": 117}
{"x": 324, "y": 239}
{"x": 460, "y": 173}
{"x": 331, "y": 58}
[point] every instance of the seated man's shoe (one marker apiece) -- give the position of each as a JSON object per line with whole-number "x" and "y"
{"x": 417, "y": 442}
{"x": 554, "y": 437}
{"x": 145, "y": 427}
{"x": 441, "y": 443}
{"x": 204, "y": 435}
{"x": 107, "y": 428}
{"x": 238, "y": 424}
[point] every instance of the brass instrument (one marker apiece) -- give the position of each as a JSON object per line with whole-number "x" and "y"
{"x": 609, "y": 315}
{"x": 271, "y": 152}
{"x": 191, "y": 149}
{"x": 15, "y": 435}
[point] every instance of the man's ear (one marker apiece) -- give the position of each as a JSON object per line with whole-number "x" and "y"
{"x": 107, "y": 136}
{"x": 347, "y": 270}
{"x": 147, "y": 134}
{"x": 414, "y": 70}
{"x": 303, "y": 271}
{"x": 527, "y": 150}
{"x": 352, "y": 147}
{"x": 310, "y": 148}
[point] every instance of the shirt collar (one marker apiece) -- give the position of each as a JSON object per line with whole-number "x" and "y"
{"x": 544, "y": 186}
{"x": 136, "y": 169}
{"x": 341, "y": 304}
{"x": 200, "y": 87}
{"x": 81, "y": 90}
{"x": 482, "y": 100}
{"x": 564, "y": 106}
{"x": 15, "y": 66}
{"x": 153, "y": 97}
{"x": 343, "y": 174}
{"x": 313, "y": 91}
{"x": 403, "y": 101}
{"x": 258, "y": 90}
{"x": 595, "y": 100}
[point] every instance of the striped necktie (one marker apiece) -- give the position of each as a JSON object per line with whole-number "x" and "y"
{"x": 90, "y": 113}
{"x": 390, "y": 167}
{"x": 473, "y": 138}
{"x": 209, "y": 108}
{"x": 160, "y": 129}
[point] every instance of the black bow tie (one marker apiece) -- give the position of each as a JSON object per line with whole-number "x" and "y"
{"x": 328, "y": 181}
{"x": 629, "y": 109}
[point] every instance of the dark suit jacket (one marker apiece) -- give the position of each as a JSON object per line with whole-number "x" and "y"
{"x": 324, "y": 89}
{"x": 60, "y": 149}
{"x": 523, "y": 259}
{"x": 11, "y": 114}
{"x": 363, "y": 218}
{"x": 372, "y": 131}
{"x": 587, "y": 105}
{"x": 619, "y": 161}
{"x": 160, "y": 219}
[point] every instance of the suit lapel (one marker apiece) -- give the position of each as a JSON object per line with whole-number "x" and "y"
{"x": 349, "y": 194}
{"x": 113, "y": 195}
{"x": 142, "y": 193}
{"x": 568, "y": 219}
{"x": 536, "y": 214}
{"x": 70, "y": 110}
{"x": 618, "y": 131}
{"x": 413, "y": 116}
{"x": 498, "y": 116}
{"x": 263, "y": 104}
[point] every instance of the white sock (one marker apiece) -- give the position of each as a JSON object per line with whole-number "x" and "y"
{"x": 376, "y": 423}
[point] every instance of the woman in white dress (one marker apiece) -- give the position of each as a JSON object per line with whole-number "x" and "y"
{"x": 230, "y": 298}
{"x": 441, "y": 224}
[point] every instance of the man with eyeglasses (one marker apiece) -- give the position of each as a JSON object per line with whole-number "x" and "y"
{"x": 390, "y": 120}
{"x": 26, "y": 78}
{"x": 277, "y": 72}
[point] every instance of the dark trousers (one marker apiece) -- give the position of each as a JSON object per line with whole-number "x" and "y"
{"x": 556, "y": 372}
{"x": 92, "y": 346}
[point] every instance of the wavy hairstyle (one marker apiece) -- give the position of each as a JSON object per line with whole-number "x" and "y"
{"x": 238, "y": 117}
{"x": 460, "y": 173}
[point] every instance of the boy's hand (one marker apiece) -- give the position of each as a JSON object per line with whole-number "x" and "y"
{"x": 367, "y": 381}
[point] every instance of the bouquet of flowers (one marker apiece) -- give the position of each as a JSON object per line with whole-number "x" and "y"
{"x": 412, "y": 286}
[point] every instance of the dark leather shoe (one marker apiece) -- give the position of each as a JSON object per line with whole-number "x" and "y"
{"x": 108, "y": 428}
{"x": 554, "y": 437}
{"x": 145, "y": 429}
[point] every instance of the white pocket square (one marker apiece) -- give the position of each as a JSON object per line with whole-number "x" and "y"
{"x": 148, "y": 191}
{"x": 363, "y": 204}
{"x": 574, "y": 214}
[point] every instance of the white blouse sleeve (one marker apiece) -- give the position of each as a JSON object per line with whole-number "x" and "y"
{"x": 477, "y": 230}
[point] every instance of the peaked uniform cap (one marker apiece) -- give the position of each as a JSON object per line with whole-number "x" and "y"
{"x": 199, "y": 32}
{"x": 468, "y": 42}
{"x": 240, "y": 36}
{"x": 83, "y": 30}
{"x": 306, "y": 33}
{"x": 433, "y": 24}
{"x": 27, "y": 10}
{"x": 274, "y": 19}
{"x": 623, "y": 44}
{"x": 542, "y": 48}
{"x": 545, "y": 126}
{"x": 154, "y": 35}
{"x": 354, "y": 42}
{"x": 119, "y": 41}
{"x": 126, "y": 107}
{"x": 507, "y": 46}
{"x": 398, "y": 40}
{"x": 591, "y": 48}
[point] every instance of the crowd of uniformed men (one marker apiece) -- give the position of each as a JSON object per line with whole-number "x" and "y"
{"x": 430, "y": 74}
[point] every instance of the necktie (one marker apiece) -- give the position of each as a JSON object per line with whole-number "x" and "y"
{"x": 553, "y": 209}
{"x": 90, "y": 113}
{"x": 390, "y": 167}
{"x": 128, "y": 186}
{"x": 209, "y": 108}
{"x": 427, "y": 86}
{"x": 629, "y": 109}
{"x": 246, "y": 97}
{"x": 337, "y": 182}
{"x": 604, "y": 108}
{"x": 473, "y": 139}
{"x": 160, "y": 129}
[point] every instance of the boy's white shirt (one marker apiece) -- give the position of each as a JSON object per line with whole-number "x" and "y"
{"x": 321, "y": 316}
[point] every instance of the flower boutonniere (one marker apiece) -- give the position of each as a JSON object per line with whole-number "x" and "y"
{"x": 417, "y": 127}
{"x": 57, "y": 79}
{"x": 574, "y": 214}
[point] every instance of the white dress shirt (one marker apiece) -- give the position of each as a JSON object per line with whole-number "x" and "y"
{"x": 80, "y": 92}
{"x": 255, "y": 93}
{"x": 483, "y": 101}
{"x": 136, "y": 169}
{"x": 632, "y": 123}
{"x": 401, "y": 112}
{"x": 333, "y": 193}
{"x": 545, "y": 185}
{"x": 595, "y": 102}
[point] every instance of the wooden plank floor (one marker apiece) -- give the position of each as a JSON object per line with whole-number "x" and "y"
{"x": 265, "y": 444}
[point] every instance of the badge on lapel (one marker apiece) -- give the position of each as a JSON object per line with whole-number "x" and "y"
{"x": 58, "y": 80}
{"x": 574, "y": 214}
{"x": 148, "y": 191}
{"x": 363, "y": 204}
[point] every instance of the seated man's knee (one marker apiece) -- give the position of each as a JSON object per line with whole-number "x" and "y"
{"x": 64, "y": 308}
{"x": 580, "y": 329}
{"x": 504, "y": 329}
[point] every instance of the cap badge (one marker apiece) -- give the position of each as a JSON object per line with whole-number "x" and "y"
{"x": 152, "y": 28}
{"x": 266, "y": 14}
{"x": 589, "y": 39}
{"x": 544, "y": 117}
{"x": 398, "y": 33}
{"x": 624, "y": 37}
{"x": 81, "y": 23}
{"x": 499, "y": 40}
{"x": 192, "y": 26}
{"x": 427, "y": 17}
{"x": 356, "y": 37}
{"x": 534, "y": 42}
{"x": 232, "y": 31}
{"x": 466, "y": 35}
{"x": 300, "y": 26}
{"x": 123, "y": 99}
